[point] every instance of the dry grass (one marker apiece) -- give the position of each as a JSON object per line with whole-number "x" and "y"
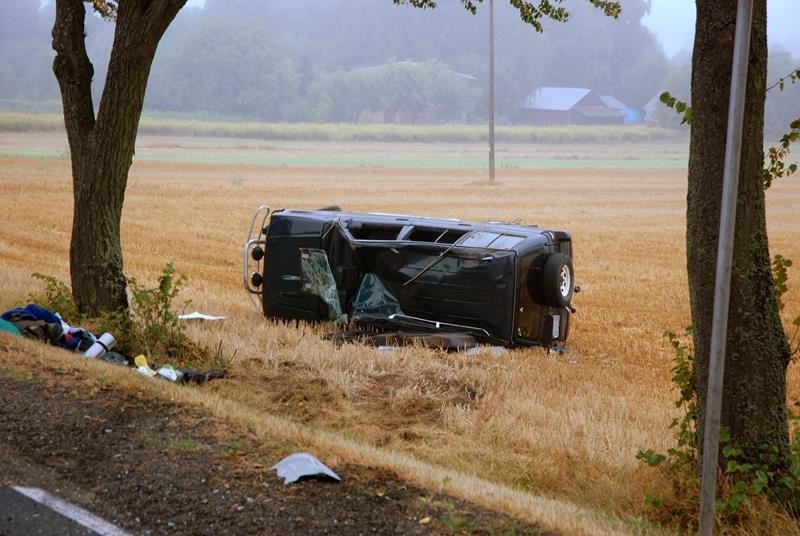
{"x": 461, "y": 133}
{"x": 565, "y": 427}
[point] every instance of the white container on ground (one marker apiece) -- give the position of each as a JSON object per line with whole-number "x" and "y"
{"x": 105, "y": 343}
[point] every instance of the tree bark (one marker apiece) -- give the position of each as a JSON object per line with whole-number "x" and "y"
{"x": 754, "y": 392}
{"x": 102, "y": 148}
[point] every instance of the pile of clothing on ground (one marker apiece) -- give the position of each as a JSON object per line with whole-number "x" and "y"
{"x": 41, "y": 324}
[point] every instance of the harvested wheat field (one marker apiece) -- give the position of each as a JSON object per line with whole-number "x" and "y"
{"x": 544, "y": 437}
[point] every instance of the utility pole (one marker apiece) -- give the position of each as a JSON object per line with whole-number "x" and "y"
{"x": 491, "y": 91}
{"x": 722, "y": 285}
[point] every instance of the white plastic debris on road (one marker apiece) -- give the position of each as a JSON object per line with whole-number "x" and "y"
{"x": 302, "y": 464}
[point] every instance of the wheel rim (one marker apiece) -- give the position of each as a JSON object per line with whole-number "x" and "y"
{"x": 565, "y": 278}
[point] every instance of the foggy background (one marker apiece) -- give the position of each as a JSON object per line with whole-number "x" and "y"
{"x": 371, "y": 61}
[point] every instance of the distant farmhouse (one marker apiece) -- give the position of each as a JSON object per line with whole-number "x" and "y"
{"x": 575, "y": 106}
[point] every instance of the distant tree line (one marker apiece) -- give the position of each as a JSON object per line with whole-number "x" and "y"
{"x": 362, "y": 60}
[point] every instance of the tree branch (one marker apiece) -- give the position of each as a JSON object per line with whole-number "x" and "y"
{"x": 159, "y": 15}
{"x": 792, "y": 76}
{"x": 140, "y": 26}
{"x": 73, "y": 70}
{"x": 529, "y": 12}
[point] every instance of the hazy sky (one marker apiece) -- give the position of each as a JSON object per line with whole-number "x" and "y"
{"x": 673, "y": 23}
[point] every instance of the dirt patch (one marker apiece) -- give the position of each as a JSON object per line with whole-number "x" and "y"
{"x": 403, "y": 401}
{"x": 159, "y": 468}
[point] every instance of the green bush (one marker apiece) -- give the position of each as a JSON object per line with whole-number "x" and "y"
{"x": 56, "y": 297}
{"x": 766, "y": 474}
{"x": 155, "y": 328}
{"x": 150, "y": 326}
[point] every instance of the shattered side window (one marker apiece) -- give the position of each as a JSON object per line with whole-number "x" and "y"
{"x": 318, "y": 280}
{"x": 373, "y": 300}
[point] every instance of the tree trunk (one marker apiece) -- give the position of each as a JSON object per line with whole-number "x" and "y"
{"x": 102, "y": 149}
{"x": 754, "y": 392}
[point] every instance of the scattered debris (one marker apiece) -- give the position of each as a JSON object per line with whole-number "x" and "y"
{"x": 117, "y": 358}
{"x": 142, "y": 367}
{"x": 495, "y": 351}
{"x": 176, "y": 374}
{"x": 101, "y": 346}
{"x": 443, "y": 341}
{"x": 199, "y": 376}
{"x": 303, "y": 465}
{"x": 170, "y": 373}
{"x": 8, "y": 327}
{"x": 38, "y": 323}
{"x": 196, "y": 315}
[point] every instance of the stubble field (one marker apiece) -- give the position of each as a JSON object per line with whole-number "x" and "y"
{"x": 512, "y": 430}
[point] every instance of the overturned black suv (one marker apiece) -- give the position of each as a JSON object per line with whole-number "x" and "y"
{"x": 501, "y": 283}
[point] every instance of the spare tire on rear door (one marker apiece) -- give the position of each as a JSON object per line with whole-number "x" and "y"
{"x": 557, "y": 280}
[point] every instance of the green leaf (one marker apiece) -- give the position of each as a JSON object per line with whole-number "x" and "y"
{"x": 730, "y": 451}
{"x": 735, "y": 500}
{"x": 650, "y": 457}
{"x": 653, "y": 501}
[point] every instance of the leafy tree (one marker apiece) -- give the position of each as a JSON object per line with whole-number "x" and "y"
{"x": 208, "y": 71}
{"x": 407, "y": 92}
{"x": 754, "y": 400}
